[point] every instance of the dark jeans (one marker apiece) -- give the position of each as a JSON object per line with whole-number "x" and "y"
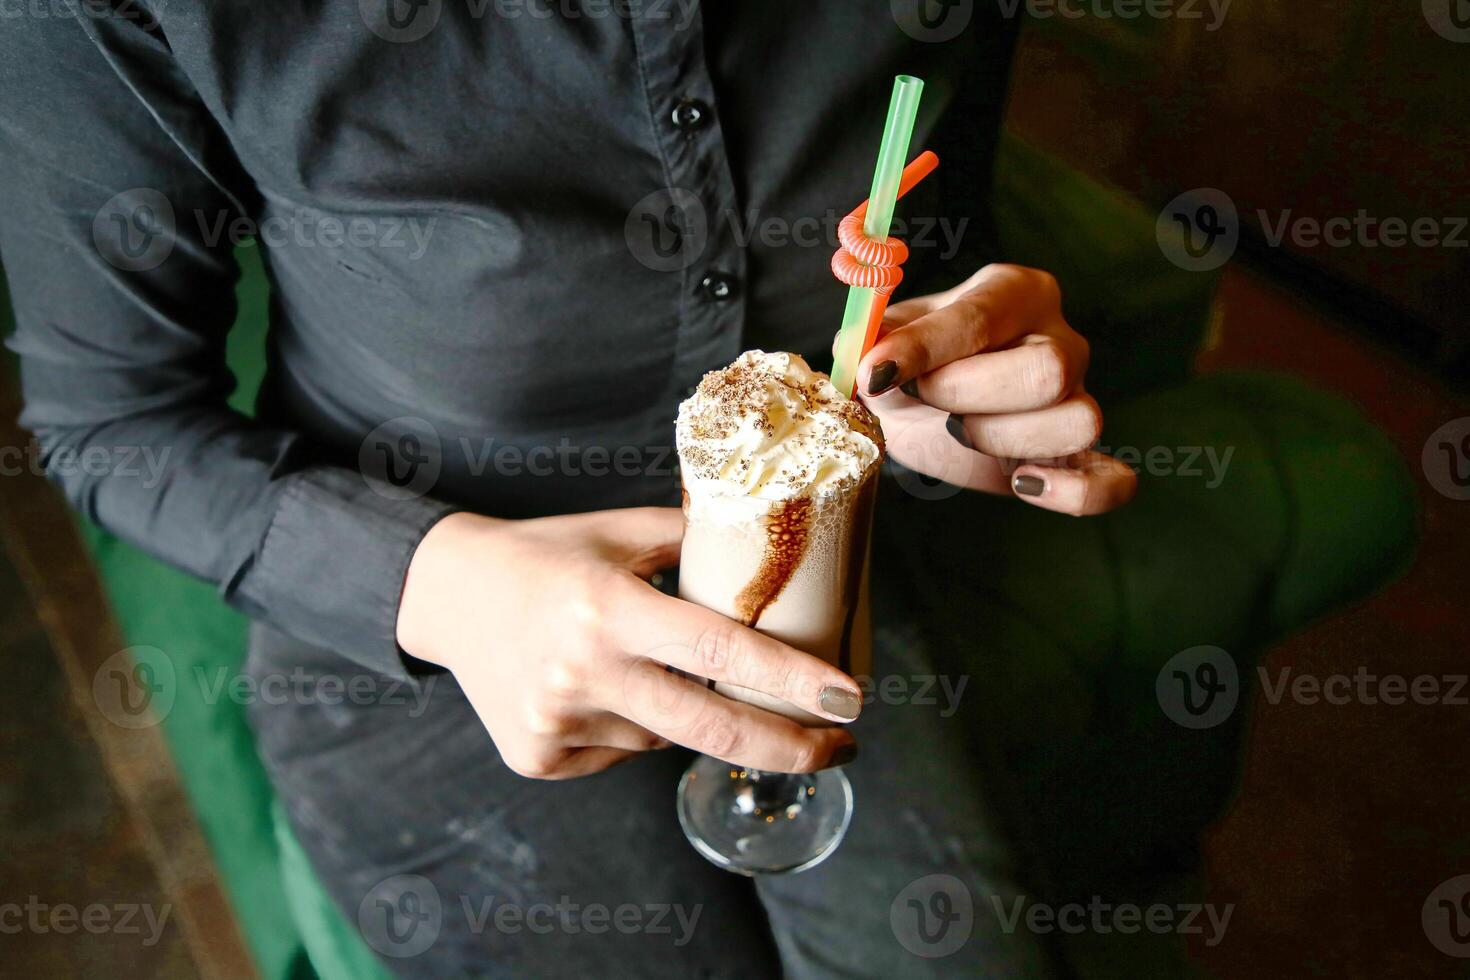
{"x": 451, "y": 865}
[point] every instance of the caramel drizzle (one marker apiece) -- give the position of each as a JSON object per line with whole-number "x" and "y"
{"x": 787, "y": 528}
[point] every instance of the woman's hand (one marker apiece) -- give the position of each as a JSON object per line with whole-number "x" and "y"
{"x": 562, "y": 647}
{"x": 982, "y": 387}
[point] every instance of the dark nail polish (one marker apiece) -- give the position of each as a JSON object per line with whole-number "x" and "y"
{"x": 955, "y": 426}
{"x": 842, "y": 755}
{"x": 880, "y": 379}
{"x": 840, "y": 701}
{"x": 1029, "y": 486}
{"x": 910, "y": 387}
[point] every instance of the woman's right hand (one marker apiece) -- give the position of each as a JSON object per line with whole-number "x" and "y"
{"x": 561, "y": 646}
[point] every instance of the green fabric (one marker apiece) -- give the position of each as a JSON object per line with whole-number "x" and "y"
{"x": 336, "y": 950}
{"x": 1143, "y": 316}
{"x": 204, "y": 641}
{"x": 1316, "y": 509}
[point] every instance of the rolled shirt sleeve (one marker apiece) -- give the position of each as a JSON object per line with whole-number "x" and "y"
{"x": 122, "y": 307}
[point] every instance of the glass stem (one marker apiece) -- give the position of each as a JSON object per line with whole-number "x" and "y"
{"x": 771, "y": 794}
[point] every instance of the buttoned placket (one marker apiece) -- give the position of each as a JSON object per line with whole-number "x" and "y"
{"x": 691, "y": 145}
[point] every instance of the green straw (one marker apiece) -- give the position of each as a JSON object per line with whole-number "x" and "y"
{"x": 892, "y": 155}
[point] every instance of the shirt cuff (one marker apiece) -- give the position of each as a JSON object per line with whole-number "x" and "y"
{"x": 332, "y": 566}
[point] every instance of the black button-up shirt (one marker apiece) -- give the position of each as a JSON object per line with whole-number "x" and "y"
{"x": 504, "y": 239}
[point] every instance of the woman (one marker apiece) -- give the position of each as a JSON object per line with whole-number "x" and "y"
{"x": 519, "y": 227}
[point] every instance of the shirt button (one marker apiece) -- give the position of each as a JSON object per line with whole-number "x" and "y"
{"x": 690, "y": 114}
{"x": 718, "y": 287}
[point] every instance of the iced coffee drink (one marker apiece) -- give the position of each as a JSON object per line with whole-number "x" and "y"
{"x": 780, "y": 475}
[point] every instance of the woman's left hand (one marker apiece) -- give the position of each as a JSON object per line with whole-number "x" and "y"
{"x": 982, "y": 386}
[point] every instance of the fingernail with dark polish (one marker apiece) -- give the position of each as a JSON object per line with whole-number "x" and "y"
{"x": 955, "y": 426}
{"x": 840, "y": 701}
{"x": 910, "y": 387}
{"x": 880, "y": 379}
{"x": 842, "y": 755}
{"x": 1029, "y": 486}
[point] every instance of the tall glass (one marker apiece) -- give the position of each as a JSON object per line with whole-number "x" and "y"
{"x": 796, "y": 570}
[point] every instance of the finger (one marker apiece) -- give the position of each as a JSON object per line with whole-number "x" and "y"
{"x": 919, "y": 436}
{"x": 642, "y": 539}
{"x": 586, "y": 761}
{"x": 614, "y": 731}
{"x": 1090, "y": 483}
{"x": 706, "y": 644}
{"x": 691, "y": 714}
{"x": 899, "y": 314}
{"x": 1040, "y": 371}
{"x": 1060, "y": 430}
{"x": 1004, "y": 303}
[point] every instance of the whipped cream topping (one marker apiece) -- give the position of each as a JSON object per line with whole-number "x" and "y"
{"x": 769, "y": 428}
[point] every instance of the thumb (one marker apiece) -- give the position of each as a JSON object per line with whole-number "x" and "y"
{"x": 644, "y": 539}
